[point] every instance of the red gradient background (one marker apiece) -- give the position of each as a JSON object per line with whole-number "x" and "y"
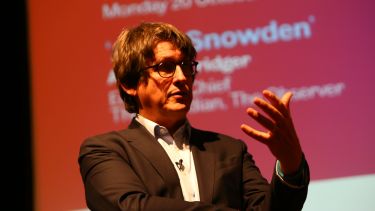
{"x": 71, "y": 62}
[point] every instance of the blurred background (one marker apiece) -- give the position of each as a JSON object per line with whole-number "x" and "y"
{"x": 59, "y": 87}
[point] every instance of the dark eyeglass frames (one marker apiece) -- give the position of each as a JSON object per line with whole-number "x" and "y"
{"x": 167, "y": 69}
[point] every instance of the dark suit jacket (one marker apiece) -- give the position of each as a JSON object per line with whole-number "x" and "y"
{"x": 129, "y": 170}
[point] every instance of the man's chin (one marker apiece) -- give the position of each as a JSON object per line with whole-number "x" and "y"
{"x": 179, "y": 108}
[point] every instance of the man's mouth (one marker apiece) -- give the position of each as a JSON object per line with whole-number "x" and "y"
{"x": 179, "y": 93}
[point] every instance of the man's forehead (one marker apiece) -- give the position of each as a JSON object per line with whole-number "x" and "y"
{"x": 166, "y": 50}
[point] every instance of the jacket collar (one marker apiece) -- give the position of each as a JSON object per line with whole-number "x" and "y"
{"x": 139, "y": 137}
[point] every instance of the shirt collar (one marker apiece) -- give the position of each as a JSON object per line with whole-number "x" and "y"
{"x": 148, "y": 124}
{"x": 182, "y": 133}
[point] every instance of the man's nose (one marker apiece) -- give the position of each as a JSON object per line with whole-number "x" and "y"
{"x": 179, "y": 73}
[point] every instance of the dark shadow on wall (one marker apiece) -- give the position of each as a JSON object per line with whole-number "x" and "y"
{"x": 16, "y": 162}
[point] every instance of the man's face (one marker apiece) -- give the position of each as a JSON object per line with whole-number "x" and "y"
{"x": 165, "y": 99}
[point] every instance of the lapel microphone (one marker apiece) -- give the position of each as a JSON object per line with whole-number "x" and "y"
{"x": 179, "y": 165}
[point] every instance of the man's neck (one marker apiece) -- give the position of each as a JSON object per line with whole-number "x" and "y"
{"x": 172, "y": 124}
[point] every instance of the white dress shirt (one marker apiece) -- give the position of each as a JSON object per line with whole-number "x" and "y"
{"x": 178, "y": 150}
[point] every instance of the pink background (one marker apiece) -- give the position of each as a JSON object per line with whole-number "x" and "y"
{"x": 71, "y": 64}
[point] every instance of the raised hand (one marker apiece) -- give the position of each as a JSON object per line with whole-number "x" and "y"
{"x": 280, "y": 135}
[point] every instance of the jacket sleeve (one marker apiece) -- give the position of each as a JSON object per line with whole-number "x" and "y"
{"x": 278, "y": 195}
{"x": 290, "y": 195}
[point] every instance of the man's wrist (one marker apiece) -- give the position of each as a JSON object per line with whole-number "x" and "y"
{"x": 297, "y": 180}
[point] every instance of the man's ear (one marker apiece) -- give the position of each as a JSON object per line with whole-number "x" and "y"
{"x": 129, "y": 91}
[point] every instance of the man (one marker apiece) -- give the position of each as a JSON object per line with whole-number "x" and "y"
{"x": 160, "y": 162}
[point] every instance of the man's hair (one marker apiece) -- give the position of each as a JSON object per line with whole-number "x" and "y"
{"x": 134, "y": 50}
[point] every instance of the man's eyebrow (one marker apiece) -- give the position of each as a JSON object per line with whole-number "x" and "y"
{"x": 169, "y": 58}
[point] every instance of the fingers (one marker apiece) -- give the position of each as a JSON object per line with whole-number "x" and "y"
{"x": 280, "y": 135}
{"x": 255, "y": 134}
{"x": 261, "y": 119}
{"x": 278, "y": 112}
{"x": 269, "y": 109}
{"x": 263, "y": 137}
{"x": 286, "y": 98}
{"x": 282, "y": 105}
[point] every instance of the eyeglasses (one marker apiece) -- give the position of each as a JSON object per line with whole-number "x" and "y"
{"x": 167, "y": 69}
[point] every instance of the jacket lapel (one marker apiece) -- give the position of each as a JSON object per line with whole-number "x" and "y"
{"x": 141, "y": 139}
{"x": 204, "y": 165}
